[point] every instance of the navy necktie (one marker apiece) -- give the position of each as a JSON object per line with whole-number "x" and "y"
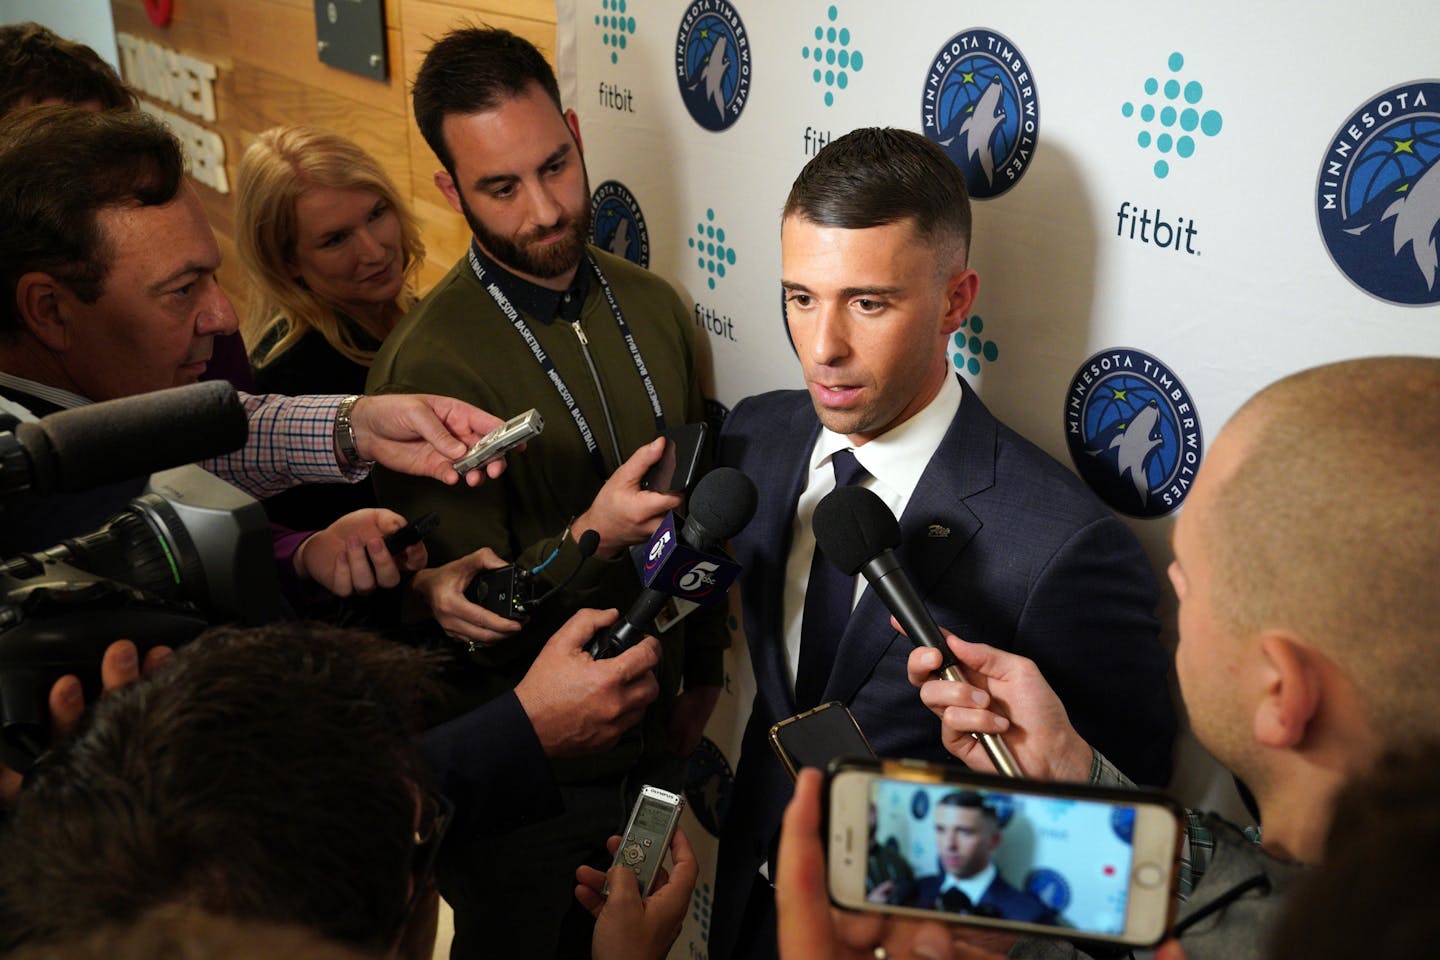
{"x": 828, "y": 597}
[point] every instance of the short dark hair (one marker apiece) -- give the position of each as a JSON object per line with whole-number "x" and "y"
{"x": 59, "y": 167}
{"x": 264, "y": 773}
{"x": 472, "y": 70}
{"x": 968, "y": 800}
{"x": 38, "y": 64}
{"x": 875, "y": 176}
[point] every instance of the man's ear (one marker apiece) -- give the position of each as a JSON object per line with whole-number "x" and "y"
{"x": 446, "y": 185}
{"x": 961, "y": 288}
{"x": 37, "y": 298}
{"x": 572, "y": 120}
{"x": 1293, "y": 677}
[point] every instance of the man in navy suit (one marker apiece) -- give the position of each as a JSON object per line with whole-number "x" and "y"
{"x": 967, "y": 834}
{"x": 1004, "y": 544}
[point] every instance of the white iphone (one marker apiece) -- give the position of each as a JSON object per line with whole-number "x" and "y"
{"x": 946, "y": 843}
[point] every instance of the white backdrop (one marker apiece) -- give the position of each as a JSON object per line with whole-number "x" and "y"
{"x": 1197, "y": 199}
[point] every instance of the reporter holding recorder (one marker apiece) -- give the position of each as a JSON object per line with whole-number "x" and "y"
{"x": 128, "y": 315}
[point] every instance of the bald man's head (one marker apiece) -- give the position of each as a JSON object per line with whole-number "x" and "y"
{"x": 1329, "y": 526}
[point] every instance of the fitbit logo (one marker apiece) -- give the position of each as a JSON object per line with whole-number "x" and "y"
{"x": 617, "y": 27}
{"x": 1177, "y": 108}
{"x": 1138, "y": 224}
{"x": 831, "y": 57}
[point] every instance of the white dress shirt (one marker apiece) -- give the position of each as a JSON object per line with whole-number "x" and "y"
{"x": 894, "y": 461}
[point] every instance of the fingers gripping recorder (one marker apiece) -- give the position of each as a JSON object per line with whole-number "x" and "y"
{"x": 858, "y": 533}
{"x": 687, "y": 563}
{"x": 500, "y": 441}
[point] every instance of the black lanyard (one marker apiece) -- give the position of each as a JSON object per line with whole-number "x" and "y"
{"x": 548, "y": 365}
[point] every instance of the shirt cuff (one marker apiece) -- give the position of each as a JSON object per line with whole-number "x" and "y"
{"x": 1103, "y": 773}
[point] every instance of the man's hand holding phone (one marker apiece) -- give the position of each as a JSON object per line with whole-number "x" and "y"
{"x": 809, "y": 927}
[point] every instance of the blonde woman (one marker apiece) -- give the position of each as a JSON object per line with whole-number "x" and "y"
{"x": 330, "y": 248}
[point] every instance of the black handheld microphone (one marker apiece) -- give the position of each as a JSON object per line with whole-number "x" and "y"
{"x": 723, "y": 502}
{"x": 859, "y": 534}
{"x": 77, "y": 450}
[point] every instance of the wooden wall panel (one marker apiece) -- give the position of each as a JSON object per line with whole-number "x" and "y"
{"x": 269, "y": 73}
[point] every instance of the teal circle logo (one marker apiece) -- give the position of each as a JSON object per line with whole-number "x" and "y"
{"x": 713, "y": 253}
{"x": 972, "y": 348}
{"x": 832, "y": 57}
{"x": 617, "y": 25}
{"x": 1173, "y": 116}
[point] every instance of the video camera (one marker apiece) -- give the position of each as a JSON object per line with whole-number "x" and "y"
{"x": 189, "y": 551}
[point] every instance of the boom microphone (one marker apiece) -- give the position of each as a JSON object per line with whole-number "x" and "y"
{"x": 859, "y": 534}
{"x": 723, "y": 502}
{"x": 87, "y": 447}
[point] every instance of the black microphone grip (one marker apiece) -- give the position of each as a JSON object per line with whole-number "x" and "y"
{"x": 624, "y": 633}
{"x": 898, "y": 593}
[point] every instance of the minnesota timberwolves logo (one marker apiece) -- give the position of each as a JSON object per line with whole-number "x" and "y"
{"x": 980, "y": 105}
{"x": 1378, "y": 195}
{"x": 1133, "y": 432}
{"x": 712, "y": 63}
{"x": 708, "y": 780}
{"x": 618, "y": 224}
{"x": 1049, "y": 887}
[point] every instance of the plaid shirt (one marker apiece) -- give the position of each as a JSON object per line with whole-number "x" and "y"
{"x": 1199, "y": 846}
{"x": 292, "y": 441}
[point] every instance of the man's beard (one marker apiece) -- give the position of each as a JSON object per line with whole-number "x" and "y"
{"x": 545, "y": 262}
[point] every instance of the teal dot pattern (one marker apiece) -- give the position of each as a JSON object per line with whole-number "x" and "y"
{"x": 834, "y": 58}
{"x": 712, "y": 253}
{"x": 617, "y": 26}
{"x": 971, "y": 349}
{"x": 1176, "y": 105}
{"x": 700, "y": 909}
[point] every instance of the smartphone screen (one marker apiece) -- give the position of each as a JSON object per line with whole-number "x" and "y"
{"x": 816, "y": 737}
{"x": 1061, "y": 862}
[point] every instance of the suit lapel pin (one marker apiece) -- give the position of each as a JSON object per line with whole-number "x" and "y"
{"x": 939, "y": 532}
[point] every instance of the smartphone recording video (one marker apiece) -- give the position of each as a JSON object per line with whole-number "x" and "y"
{"x": 1057, "y": 859}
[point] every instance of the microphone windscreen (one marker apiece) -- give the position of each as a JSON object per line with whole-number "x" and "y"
{"x": 102, "y": 443}
{"x": 723, "y": 502}
{"x": 588, "y": 543}
{"x": 853, "y": 526}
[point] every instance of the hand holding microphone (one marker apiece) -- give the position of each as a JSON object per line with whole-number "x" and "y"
{"x": 723, "y": 502}
{"x": 859, "y": 534}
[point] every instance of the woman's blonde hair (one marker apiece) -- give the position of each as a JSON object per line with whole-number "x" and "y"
{"x": 276, "y": 169}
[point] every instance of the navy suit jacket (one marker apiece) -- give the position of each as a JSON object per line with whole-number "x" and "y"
{"x": 999, "y": 900}
{"x": 1006, "y": 547}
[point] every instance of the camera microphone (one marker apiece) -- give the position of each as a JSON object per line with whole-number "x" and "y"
{"x": 76, "y": 450}
{"x": 723, "y": 502}
{"x": 859, "y": 534}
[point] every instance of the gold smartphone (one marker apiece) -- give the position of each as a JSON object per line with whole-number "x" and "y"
{"x": 817, "y": 736}
{"x": 942, "y": 842}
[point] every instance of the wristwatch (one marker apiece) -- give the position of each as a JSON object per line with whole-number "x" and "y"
{"x": 345, "y": 435}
